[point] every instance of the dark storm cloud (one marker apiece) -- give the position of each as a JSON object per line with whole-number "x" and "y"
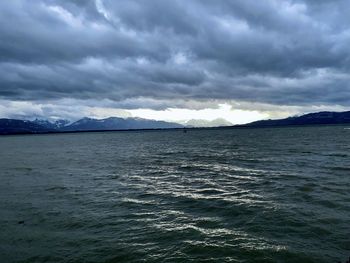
{"x": 277, "y": 52}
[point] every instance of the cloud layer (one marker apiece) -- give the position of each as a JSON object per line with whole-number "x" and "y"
{"x": 176, "y": 54}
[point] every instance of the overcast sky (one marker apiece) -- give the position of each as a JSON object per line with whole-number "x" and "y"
{"x": 238, "y": 60}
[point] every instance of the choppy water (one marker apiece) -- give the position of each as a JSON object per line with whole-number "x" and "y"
{"x": 253, "y": 195}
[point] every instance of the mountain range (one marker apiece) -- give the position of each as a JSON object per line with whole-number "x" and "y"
{"x": 318, "y": 118}
{"x": 11, "y": 126}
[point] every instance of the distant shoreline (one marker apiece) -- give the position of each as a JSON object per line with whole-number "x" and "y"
{"x": 243, "y": 126}
{"x": 113, "y": 124}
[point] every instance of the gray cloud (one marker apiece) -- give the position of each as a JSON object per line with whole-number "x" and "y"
{"x": 158, "y": 54}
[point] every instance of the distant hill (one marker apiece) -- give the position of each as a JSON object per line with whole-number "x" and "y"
{"x": 114, "y": 123}
{"x": 325, "y": 117}
{"x": 10, "y": 126}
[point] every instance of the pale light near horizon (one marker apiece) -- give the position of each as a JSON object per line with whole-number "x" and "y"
{"x": 224, "y": 111}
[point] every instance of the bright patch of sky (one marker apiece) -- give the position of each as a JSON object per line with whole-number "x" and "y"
{"x": 224, "y": 111}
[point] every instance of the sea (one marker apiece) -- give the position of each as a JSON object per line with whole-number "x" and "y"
{"x": 222, "y": 195}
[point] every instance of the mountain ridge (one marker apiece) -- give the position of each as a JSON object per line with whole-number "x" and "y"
{"x": 316, "y": 118}
{"x": 13, "y": 126}
{"x": 116, "y": 123}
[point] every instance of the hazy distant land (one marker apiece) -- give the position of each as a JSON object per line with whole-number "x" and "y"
{"x": 13, "y": 126}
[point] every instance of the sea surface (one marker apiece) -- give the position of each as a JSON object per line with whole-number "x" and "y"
{"x": 238, "y": 195}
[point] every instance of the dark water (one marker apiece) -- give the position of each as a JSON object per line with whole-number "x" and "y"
{"x": 254, "y": 195}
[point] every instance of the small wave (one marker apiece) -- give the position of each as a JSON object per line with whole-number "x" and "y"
{"x": 307, "y": 187}
{"x": 211, "y": 191}
{"x": 339, "y": 168}
{"x": 137, "y": 201}
{"x": 337, "y": 155}
{"x": 56, "y": 188}
{"x": 27, "y": 169}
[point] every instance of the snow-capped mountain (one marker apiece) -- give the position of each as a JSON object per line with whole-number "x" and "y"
{"x": 58, "y": 124}
{"x": 114, "y": 123}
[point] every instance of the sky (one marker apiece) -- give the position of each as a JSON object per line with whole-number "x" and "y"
{"x": 195, "y": 61}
